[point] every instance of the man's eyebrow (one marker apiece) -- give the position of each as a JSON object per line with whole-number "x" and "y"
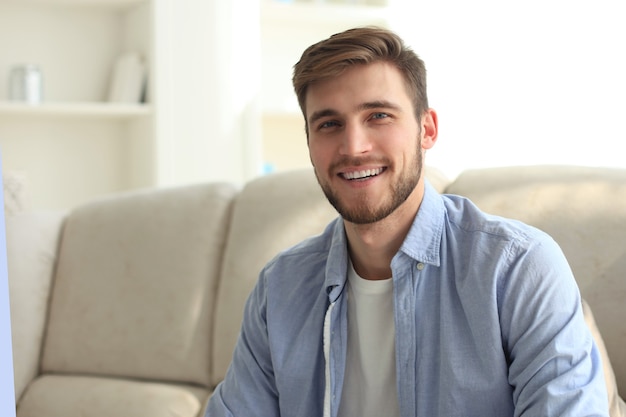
{"x": 379, "y": 104}
{"x": 369, "y": 105}
{"x": 322, "y": 113}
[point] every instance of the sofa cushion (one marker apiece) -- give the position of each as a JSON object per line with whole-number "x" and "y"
{"x": 135, "y": 285}
{"x": 63, "y": 396}
{"x": 584, "y": 209}
{"x": 31, "y": 255}
{"x": 270, "y": 214}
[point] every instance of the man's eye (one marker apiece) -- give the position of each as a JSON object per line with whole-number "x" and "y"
{"x": 380, "y": 115}
{"x": 328, "y": 124}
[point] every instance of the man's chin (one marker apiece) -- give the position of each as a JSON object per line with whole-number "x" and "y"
{"x": 360, "y": 210}
{"x": 362, "y": 214}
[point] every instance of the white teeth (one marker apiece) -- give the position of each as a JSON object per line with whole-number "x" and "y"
{"x": 356, "y": 175}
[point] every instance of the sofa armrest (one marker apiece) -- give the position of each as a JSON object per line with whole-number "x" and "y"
{"x": 32, "y": 239}
{"x": 617, "y": 407}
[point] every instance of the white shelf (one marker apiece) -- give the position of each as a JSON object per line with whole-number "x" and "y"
{"x": 100, "y": 4}
{"x": 80, "y": 110}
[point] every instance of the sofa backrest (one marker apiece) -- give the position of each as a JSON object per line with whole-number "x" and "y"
{"x": 584, "y": 210}
{"x": 271, "y": 213}
{"x": 134, "y": 288}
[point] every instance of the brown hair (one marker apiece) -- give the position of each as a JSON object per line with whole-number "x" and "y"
{"x": 363, "y": 45}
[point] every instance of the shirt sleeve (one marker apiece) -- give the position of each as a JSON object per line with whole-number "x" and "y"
{"x": 249, "y": 387}
{"x": 554, "y": 365}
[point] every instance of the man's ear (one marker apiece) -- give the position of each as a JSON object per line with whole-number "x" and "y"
{"x": 430, "y": 128}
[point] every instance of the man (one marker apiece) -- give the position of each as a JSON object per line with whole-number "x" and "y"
{"x": 411, "y": 303}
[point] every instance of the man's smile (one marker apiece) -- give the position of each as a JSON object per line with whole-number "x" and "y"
{"x": 362, "y": 174}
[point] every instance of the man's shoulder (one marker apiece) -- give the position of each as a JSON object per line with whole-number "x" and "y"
{"x": 466, "y": 217}
{"x": 496, "y": 243}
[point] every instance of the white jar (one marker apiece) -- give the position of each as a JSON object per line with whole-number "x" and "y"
{"x": 26, "y": 84}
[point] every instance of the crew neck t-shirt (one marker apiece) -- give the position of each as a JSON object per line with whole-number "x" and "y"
{"x": 369, "y": 388}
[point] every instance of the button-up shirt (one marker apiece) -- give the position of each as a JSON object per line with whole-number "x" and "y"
{"x": 487, "y": 314}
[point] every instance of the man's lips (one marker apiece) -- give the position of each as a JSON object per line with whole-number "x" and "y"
{"x": 361, "y": 174}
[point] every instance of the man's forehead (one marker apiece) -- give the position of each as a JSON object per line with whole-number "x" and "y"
{"x": 335, "y": 97}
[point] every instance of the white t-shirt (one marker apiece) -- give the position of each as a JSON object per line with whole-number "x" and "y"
{"x": 369, "y": 388}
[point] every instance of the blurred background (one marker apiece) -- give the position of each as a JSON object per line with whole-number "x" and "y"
{"x": 103, "y": 96}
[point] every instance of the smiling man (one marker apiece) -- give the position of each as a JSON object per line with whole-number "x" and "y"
{"x": 410, "y": 303}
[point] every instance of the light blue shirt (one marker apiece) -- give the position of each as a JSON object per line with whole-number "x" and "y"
{"x": 488, "y": 322}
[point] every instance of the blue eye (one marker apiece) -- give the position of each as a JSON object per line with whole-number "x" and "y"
{"x": 379, "y": 115}
{"x": 330, "y": 123}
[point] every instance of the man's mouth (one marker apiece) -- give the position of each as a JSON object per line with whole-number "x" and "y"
{"x": 362, "y": 174}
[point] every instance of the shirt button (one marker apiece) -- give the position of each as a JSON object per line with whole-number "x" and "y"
{"x": 420, "y": 266}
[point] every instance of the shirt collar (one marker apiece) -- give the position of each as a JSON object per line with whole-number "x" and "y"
{"x": 422, "y": 243}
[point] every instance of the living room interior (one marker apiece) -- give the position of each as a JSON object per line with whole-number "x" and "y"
{"x": 516, "y": 85}
{"x": 533, "y": 84}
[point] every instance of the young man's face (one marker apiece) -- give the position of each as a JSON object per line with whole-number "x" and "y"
{"x": 365, "y": 142}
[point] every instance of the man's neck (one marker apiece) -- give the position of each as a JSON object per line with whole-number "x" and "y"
{"x": 373, "y": 246}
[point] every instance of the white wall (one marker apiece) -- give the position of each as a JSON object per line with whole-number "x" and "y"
{"x": 207, "y": 116}
{"x": 517, "y": 83}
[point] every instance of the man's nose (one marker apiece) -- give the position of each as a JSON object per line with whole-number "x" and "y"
{"x": 355, "y": 140}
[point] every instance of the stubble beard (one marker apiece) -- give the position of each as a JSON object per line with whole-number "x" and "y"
{"x": 365, "y": 211}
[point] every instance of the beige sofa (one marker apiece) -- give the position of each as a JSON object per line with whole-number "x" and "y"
{"x": 131, "y": 305}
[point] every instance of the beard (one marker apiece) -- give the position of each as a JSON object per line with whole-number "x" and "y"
{"x": 363, "y": 210}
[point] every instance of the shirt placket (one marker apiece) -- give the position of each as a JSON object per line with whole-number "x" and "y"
{"x": 406, "y": 343}
{"x": 337, "y": 352}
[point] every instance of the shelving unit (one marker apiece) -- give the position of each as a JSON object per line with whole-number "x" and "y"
{"x": 201, "y": 118}
{"x": 287, "y": 28}
{"x": 80, "y": 110}
{"x": 75, "y": 145}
